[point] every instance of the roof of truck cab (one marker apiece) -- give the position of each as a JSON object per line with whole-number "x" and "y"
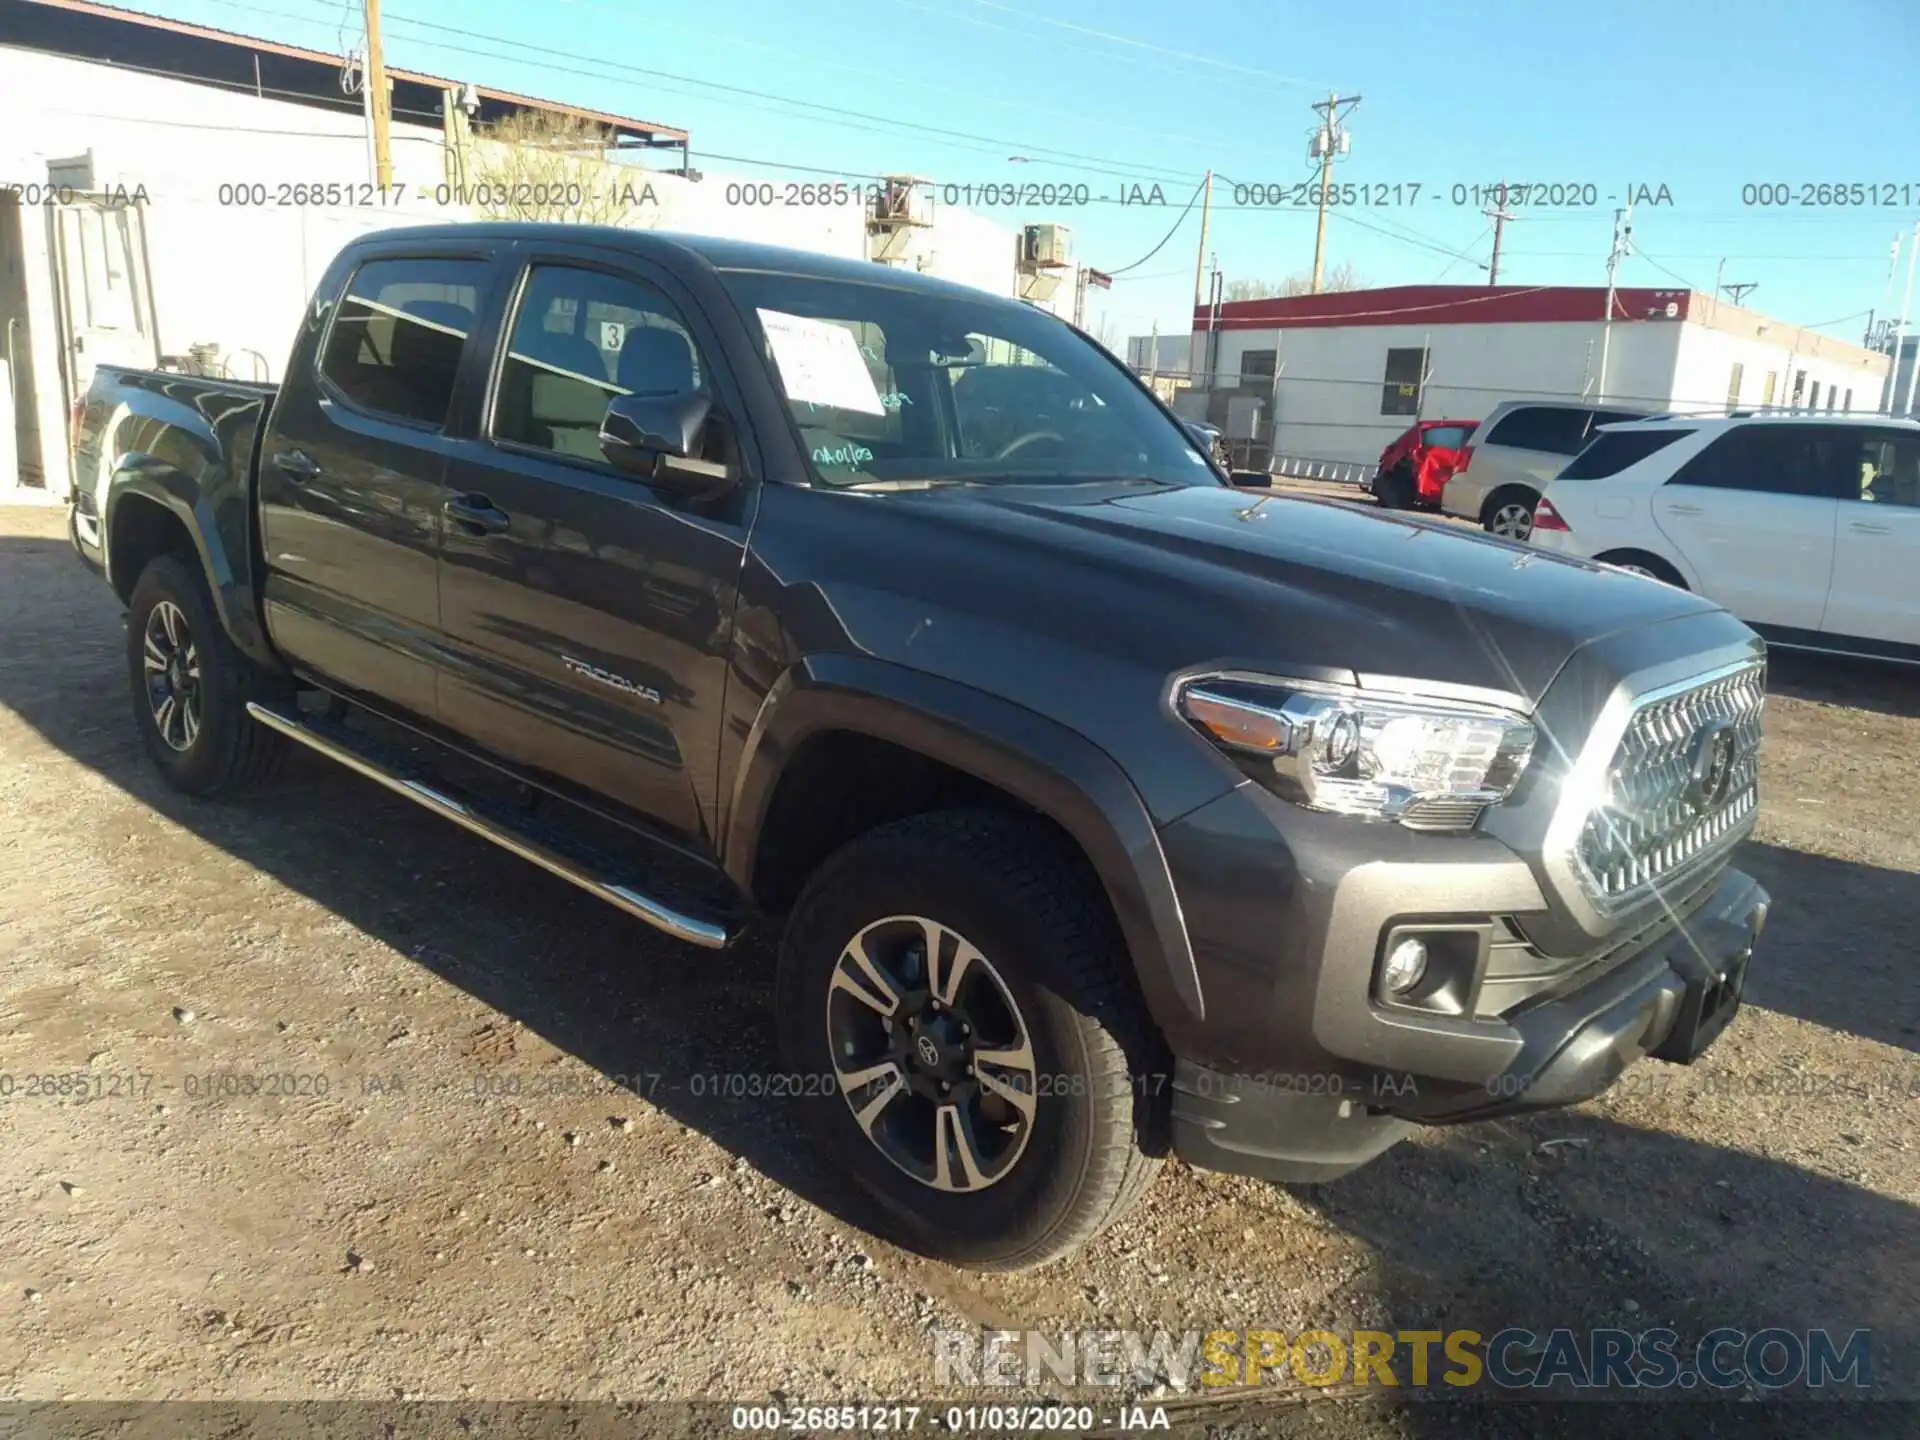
{"x": 716, "y": 251}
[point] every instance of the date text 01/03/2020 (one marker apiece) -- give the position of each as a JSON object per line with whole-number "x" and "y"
{"x": 957, "y": 1419}
{"x": 1524, "y": 195}
{"x": 1064, "y": 194}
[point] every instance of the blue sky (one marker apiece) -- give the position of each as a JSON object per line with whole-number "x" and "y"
{"x": 1699, "y": 96}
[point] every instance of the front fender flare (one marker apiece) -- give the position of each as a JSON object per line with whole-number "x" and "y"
{"x": 1040, "y": 762}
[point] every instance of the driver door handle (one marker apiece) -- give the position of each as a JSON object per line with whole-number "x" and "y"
{"x": 476, "y": 514}
{"x": 1683, "y": 509}
{"x": 296, "y": 465}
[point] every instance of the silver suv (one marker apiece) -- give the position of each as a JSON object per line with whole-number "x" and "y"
{"x": 1514, "y": 453}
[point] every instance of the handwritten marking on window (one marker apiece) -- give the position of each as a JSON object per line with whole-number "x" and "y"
{"x": 842, "y": 455}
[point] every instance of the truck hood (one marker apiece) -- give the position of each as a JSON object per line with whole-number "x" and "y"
{"x": 1323, "y": 583}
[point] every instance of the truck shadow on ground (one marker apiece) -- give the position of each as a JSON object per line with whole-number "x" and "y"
{"x": 1482, "y": 1230}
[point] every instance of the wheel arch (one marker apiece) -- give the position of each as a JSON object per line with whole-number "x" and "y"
{"x": 1002, "y": 753}
{"x": 154, "y": 508}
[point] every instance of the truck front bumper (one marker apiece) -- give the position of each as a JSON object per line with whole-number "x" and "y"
{"x": 1315, "y": 1077}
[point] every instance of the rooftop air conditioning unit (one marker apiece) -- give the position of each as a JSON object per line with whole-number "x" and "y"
{"x": 1048, "y": 247}
{"x": 903, "y": 200}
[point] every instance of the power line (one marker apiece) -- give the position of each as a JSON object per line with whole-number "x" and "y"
{"x": 1149, "y": 45}
{"x": 520, "y": 50}
{"x": 1069, "y": 45}
{"x": 1164, "y": 238}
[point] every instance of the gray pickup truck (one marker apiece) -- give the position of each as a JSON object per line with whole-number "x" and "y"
{"x": 1103, "y": 811}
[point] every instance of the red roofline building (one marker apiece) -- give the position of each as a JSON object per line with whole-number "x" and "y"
{"x": 1355, "y": 368}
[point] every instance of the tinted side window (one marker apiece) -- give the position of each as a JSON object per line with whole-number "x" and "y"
{"x": 1539, "y": 427}
{"x": 580, "y": 338}
{"x": 1882, "y": 467}
{"x": 1610, "y": 453}
{"x": 395, "y": 343}
{"x": 1446, "y": 437}
{"x": 1771, "y": 460}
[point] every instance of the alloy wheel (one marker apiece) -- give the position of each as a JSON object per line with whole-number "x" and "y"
{"x": 173, "y": 675}
{"x": 931, "y": 1053}
{"x": 1513, "y": 521}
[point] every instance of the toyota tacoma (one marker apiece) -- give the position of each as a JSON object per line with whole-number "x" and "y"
{"x": 1103, "y": 812}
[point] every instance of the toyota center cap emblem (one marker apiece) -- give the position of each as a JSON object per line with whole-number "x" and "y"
{"x": 929, "y": 1052}
{"x": 1711, "y": 772}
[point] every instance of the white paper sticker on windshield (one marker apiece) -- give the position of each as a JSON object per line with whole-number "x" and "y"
{"x": 820, "y": 363}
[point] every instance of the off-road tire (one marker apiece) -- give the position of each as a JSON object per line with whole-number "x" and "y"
{"x": 1014, "y": 888}
{"x": 231, "y": 752}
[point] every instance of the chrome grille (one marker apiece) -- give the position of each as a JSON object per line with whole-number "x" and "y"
{"x": 1654, "y": 820}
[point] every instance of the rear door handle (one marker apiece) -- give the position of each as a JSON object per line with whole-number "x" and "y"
{"x": 1866, "y": 529}
{"x": 476, "y": 514}
{"x": 1683, "y": 509}
{"x": 296, "y": 465}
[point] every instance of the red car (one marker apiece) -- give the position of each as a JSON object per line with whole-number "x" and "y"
{"x": 1414, "y": 468}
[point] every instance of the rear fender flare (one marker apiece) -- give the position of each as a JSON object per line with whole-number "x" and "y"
{"x": 143, "y": 479}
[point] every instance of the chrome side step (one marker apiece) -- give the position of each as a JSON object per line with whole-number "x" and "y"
{"x": 694, "y": 931}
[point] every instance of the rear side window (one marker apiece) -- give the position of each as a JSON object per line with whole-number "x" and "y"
{"x": 1446, "y": 437}
{"x": 1609, "y": 454}
{"x": 1777, "y": 460}
{"x": 1556, "y": 429}
{"x": 395, "y": 344}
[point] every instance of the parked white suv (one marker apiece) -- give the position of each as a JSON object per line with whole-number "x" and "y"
{"x": 1807, "y": 529}
{"x": 1513, "y": 453}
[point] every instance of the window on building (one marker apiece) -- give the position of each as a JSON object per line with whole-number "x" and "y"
{"x": 1766, "y": 391}
{"x": 579, "y": 339}
{"x": 1799, "y": 388}
{"x": 1733, "y": 386}
{"x": 1776, "y": 459}
{"x": 1256, "y": 366}
{"x": 1813, "y": 396}
{"x": 1406, "y": 372}
{"x": 396, "y": 341}
{"x": 1847, "y": 404}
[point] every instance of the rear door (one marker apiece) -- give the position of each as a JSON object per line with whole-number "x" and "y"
{"x": 589, "y": 614}
{"x": 1753, "y": 516}
{"x": 352, "y": 477}
{"x": 106, "y": 311}
{"x": 1876, "y": 555}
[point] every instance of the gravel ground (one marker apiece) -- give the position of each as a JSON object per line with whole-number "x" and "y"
{"x": 413, "y": 1233}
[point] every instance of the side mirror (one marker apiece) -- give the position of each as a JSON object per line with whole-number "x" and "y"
{"x": 659, "y": 437}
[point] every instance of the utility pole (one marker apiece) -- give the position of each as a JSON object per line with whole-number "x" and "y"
{"x": 1737, "y": 289}
{"x": 1906, "y": 308}
{"x": 1199, "y": 268}
{"x": 1622, "y": 247}
{"x": 1499, "y": 216}
{"x": 1329, "y": 139}
{"x": 379, "y": 103}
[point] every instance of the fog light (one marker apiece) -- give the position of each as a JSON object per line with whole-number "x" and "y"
{"x": 1406, "y": 965}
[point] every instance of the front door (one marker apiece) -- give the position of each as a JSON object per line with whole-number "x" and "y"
{"x": 588, "y": 614}
{"x": 1876, "y": 548}
{"x": 352, "y": 478}
{"x": 1753, "y": 516}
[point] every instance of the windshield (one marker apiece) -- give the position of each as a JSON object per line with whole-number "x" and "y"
{"x": 887, "y": 383}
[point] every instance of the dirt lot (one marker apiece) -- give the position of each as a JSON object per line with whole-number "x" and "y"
{"x": 405, "y": 1235}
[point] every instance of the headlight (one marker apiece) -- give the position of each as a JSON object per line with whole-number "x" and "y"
{"x": 1428, "y": 764}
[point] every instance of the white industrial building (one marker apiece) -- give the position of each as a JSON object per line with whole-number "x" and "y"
{"x": 1343, "y": 373}
{"x": 144, "y": 209}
